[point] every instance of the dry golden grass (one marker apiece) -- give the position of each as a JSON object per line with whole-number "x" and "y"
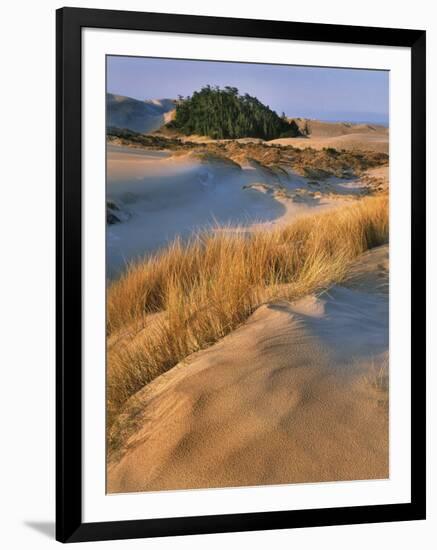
{"x": 187, "y": 297}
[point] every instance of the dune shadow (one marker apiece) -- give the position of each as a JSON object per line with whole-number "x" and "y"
{"x": 353, "y": 322}
{"x": 182, "y": 206}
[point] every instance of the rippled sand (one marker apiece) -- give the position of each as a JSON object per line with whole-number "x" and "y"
{"x": 299, "y": 393}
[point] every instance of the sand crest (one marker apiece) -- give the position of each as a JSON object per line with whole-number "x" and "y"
{"x": 294, "y": 395}
{"x": 340, "y": 135}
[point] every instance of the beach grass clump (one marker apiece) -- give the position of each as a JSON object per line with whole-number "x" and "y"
{"x": 188, "y": 296}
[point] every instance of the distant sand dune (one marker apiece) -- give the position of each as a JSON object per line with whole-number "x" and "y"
{"x": 320, "y": 128}
{"x": 356, "y": 142}
{"x": 294, "y": 395}
{"x": 340, "y": 135}
{"x": 139, "y": 116}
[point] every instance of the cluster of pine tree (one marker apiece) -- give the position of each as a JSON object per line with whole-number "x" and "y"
{"x": 224, "y": 114}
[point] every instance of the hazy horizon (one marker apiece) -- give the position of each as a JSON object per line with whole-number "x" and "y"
{"x": 330, "y": 94}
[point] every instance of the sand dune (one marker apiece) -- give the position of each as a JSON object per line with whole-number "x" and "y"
{"x": 338, "y": 135}
{"x": 354, "y": 142}
{"x": 139, "y": 116}
{"x": 341, "y": 135}
{"x": 168, "y": 197}
{"x": 294, "y": 395}
{"x": 320, "y": 128}
{"x": 164, "y": 196}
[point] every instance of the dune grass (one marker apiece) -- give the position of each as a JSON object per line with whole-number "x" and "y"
{"x": 189, "y": 296}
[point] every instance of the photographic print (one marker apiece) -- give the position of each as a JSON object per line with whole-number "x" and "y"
{"x": 247, "y": 265}
{"x": 240, "y": 289}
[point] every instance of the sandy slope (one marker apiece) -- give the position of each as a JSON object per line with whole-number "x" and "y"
{"x": 339, "y": 135}
{"x": 175, "y": 196}
{"x": 320, "y": 128}
{"x": 294, "y": 395}
{"x": 359, "y": 142}
{"x": 162, "y": 196}
{"x": 139, "y": 116}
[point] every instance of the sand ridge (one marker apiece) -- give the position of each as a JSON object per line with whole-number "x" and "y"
{"x": 161, "y": 195}
{"x": 338, "y": 135}
{"x": 293, "y": 395}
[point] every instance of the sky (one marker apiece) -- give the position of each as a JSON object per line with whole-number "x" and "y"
{"x": 353, "y": 95}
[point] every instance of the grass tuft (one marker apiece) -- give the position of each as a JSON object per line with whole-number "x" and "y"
{"x": 187, "y": 297}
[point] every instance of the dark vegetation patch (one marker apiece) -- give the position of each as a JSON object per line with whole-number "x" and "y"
{"x": 222, "y": 113}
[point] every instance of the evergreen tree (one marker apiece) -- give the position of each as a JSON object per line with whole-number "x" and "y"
{"x": 223, "y": 113}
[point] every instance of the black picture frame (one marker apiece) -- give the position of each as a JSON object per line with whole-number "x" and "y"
{"x": 69, "y": 525}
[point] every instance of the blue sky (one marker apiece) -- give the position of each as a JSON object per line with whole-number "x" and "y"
{"x": 354, "y": 95}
